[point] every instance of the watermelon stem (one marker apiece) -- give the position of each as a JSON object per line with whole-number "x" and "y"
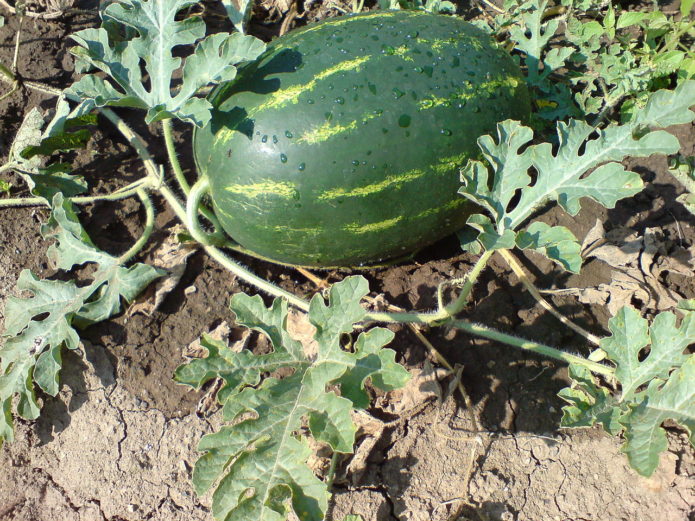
{"x": 168, "y": 132}
{"x": 147, "y": 231}
{"x": 195, "y": 196}
{"x": 528, "y": 345}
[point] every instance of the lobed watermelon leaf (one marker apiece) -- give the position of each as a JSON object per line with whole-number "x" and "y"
{"x": 667, "y": 371}
{"x": 260, "y": 458}
{"x": 39, "y": 326}
{"x": 583, "y": 164}
{"x": 32, "y": 141}
{"x": 157, "y": 33}
{"x": 531, "y": 34}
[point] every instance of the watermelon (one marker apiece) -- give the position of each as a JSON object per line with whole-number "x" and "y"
{"x": 341, "y": 145}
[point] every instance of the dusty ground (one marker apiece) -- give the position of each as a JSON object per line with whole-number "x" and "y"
{"x": 118, "y": 443}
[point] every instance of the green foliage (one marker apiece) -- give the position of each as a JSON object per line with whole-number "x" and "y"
{"x": 560, "y": 173}
{"x": 532, "y": 35}
{"x": 63, "y": 133}
{"x": 629, "y": 53}
{"x": 260, "y": 458}
{"x": 432, "y": 6}
{"x": 667, "y": 372}
{"x": 158, "y": 32}
{"x": 683, "y": 169}
{"x": 39, "y": 326}
{"x": 239, "y": 13}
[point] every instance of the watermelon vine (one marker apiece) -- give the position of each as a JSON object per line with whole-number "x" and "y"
{"x": 257, "y": 462}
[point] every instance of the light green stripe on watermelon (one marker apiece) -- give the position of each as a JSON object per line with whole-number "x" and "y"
{"x": 283, "y": 189}
{"x": 282, "y": 97}
{"x": 447, "y": 164}
{"x": 372, "y": 227}
{"x": 439, "y": 45}
{"x": 488, "y": 87}
{"x": 434, "y": 210}
{"x": 363, "y": 191}
{"x": 328, "y": 131}
{"x": 402, "y": 51}
{"x": 325, "y": 132}
{"x": 303, "y": 231}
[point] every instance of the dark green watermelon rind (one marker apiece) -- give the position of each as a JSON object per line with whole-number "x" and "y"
{"x": 349, "y": 148}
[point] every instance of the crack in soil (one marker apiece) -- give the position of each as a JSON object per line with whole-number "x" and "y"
{"x": 5, "y": 512}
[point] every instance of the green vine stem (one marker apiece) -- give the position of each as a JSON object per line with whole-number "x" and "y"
{"x": 168, "y": 131}
{"x": 195, "y": 196}
{"x": 147, "y": 231}
{"x": 519, "y": 272}
{"x": 551, "y": 352}
{"x": 122, "y": 193}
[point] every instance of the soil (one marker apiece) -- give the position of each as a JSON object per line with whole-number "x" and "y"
{"x": 118, "y": 442}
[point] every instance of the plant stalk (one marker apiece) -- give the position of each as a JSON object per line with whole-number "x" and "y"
{"x": 519, "y": 271}
{"x": 173, "y": 158}
{"x": 147, "y": 231}
{"x": 122, "y": 193}
{"x": 528, "y": 345}
{"x": 181, "y": 179}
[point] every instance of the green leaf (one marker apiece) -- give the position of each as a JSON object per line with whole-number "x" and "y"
{"x": 631, "y": 335}
{"x": 666, "y": 371}
{"x": 561, "y": 170}
{"x": 260, "y": 459}
{"x": 674, "y": 400}
{"x": 532, "y": 35}
{"x": 555, "y": 242}
{"x": 628, "y": 18}
{"x": 37, "y": 327}
{"x": 686, "y": 6}
{"x": 240, "y": 15}
{"x": 31, "y": 142}
{"x": 589, "y": 403}
{"x": 487, "y": 236}
{"x": 158, "y": 33}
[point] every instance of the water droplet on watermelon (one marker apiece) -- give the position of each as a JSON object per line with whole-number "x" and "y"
{"x": 397, "y": 93}
{"x": 283, "y": 158}
{"x": 275, "y": 140}
{"x": 445, "y": 132}
{"x": 264, "y": 139}
{"x": 411, "y": 35}
{"x": 288, "y": 134}
{"x": 310, "y": 101}
{"x": 404, "y": 121}
{"x": 339, "y": 100}
{"x": 355, "y": 162}
{"x": 301, "y": 167}
{"x": 476, "y": 109}
{"x": 419, "y": 69}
